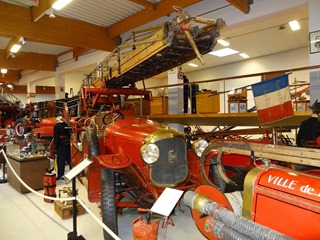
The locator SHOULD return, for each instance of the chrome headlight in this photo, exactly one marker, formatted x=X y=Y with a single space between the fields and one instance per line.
x=199 y=146
x=150 y=153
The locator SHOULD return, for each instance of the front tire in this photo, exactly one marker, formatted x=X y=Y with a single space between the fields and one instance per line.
x=108 y=202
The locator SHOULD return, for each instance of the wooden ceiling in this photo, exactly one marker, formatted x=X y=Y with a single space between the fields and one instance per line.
x=18 y=20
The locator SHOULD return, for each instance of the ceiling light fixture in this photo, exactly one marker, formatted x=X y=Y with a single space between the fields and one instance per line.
x=59 y=4
x=4 y=70
x=244 y=55
x=16 y=46
x=11 y=86
x=224 y=52
x=294 y=25
x=51 y=14
x=193 y=65
x=224 y=42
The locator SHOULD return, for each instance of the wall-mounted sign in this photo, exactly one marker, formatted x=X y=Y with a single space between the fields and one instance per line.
x=314 y=38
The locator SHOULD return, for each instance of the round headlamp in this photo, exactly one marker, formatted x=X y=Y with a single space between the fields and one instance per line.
x=199 y=146
x=150 y=153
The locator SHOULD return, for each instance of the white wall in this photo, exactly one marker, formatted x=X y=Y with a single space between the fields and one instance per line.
x=282 y=61
x=74 y=80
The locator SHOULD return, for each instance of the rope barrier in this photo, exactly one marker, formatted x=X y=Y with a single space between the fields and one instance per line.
x=61 y=199
x=98 y=220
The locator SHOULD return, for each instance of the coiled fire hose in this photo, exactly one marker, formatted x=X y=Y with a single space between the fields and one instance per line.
x=228 y=225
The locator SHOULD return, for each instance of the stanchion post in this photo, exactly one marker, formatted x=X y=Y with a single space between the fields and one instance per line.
x=74 y=235
x=4 y=179
x=71 y=176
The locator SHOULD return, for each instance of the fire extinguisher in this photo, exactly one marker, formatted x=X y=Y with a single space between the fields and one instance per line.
x=49 y=182
x=145 y=229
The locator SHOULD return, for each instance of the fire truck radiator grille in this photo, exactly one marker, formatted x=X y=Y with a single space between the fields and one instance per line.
x=171 y=167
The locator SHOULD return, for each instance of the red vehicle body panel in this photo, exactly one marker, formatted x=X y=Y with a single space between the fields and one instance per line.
x=287 y=201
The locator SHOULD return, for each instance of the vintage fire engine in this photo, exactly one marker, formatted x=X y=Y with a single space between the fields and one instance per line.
x=135 y=158
x=276 y=202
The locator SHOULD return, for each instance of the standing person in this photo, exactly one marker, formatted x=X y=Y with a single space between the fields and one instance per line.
x=35 y=115
x=62 y=145
x=310 y=128
x=186 y=93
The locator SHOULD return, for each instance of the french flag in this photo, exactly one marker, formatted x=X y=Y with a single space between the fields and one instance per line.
x=273 y=100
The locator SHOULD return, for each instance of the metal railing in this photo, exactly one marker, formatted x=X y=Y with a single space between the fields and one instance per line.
x=8 y=98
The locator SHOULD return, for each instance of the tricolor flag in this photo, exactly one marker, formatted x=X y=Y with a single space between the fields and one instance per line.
x=273 y=99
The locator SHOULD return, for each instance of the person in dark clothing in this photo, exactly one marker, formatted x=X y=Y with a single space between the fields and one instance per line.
x=186 y=93
x=35 y=115
x=310 y=128
x=62 y=145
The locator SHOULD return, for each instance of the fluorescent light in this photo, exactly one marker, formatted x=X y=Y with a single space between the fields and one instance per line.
x=294 y=25
x=192 y=65
x=224 y=52
x=223 y=42
x=15 y=48
x=244 y=55
x=59 y=4
x=4 y=70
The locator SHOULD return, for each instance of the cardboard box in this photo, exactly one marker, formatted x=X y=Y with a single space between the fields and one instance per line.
x=65 y=210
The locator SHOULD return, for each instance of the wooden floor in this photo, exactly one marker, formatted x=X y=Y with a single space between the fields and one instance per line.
x=228 y=119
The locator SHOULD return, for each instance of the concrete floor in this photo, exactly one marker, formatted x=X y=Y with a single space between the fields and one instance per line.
x=28 y=216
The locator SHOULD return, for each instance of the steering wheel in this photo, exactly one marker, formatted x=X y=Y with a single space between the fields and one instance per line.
x=111 y=116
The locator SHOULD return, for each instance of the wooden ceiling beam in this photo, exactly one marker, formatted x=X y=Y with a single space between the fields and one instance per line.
x=164 y=8
x=32 y=61
x=13 y=41
x=242 y=5
x=41 y=10
x=145 y=4
x=10 y=77
x=16 y=20
x=77 y=52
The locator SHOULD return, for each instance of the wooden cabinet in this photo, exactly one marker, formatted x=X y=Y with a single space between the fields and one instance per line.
x=237 y=102
x=237 y=106
x=159 y=105
x=141 y=106
x=208 y=102
x=30 y=170
x=301 y=105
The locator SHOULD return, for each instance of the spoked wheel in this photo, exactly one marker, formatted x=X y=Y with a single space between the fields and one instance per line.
x=110 y=117
x=108 y=202
x=19 y=129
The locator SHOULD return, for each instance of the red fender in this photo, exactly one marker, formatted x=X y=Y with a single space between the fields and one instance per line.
x=113 y=161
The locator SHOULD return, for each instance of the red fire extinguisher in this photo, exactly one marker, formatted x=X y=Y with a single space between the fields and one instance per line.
x=49 y=182
x=145 y=229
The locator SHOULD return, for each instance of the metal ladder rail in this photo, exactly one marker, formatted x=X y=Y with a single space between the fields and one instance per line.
x=8 y=98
